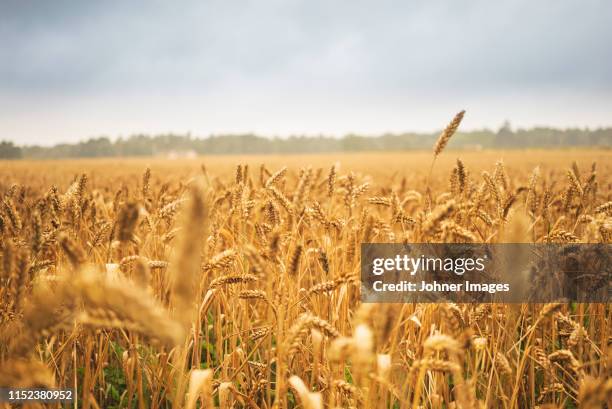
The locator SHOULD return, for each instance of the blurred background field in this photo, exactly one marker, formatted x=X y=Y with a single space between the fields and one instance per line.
x=380 y=165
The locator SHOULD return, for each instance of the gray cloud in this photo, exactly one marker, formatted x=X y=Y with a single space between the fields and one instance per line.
x=75 y=69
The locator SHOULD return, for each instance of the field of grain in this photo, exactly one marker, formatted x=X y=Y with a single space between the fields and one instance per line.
x=234 y=281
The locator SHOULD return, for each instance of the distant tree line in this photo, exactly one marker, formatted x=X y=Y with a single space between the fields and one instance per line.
x=8 y=150
x=147 y=145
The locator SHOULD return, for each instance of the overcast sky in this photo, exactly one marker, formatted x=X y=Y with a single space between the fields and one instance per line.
x=70 y=70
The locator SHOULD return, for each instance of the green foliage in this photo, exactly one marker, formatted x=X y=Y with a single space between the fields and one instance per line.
x=9 y=151
x=145 y=145
x=115 y=385
x=115 y=377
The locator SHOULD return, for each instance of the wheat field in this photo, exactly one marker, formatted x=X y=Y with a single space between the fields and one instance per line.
x=234 y=281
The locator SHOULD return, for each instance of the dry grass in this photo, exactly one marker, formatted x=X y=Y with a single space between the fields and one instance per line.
x=237 y=286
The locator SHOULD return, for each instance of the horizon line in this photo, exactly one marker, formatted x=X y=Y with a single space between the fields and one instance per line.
x=277 y=136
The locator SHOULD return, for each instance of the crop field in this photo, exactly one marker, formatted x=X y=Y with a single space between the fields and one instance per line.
x=230 y=281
